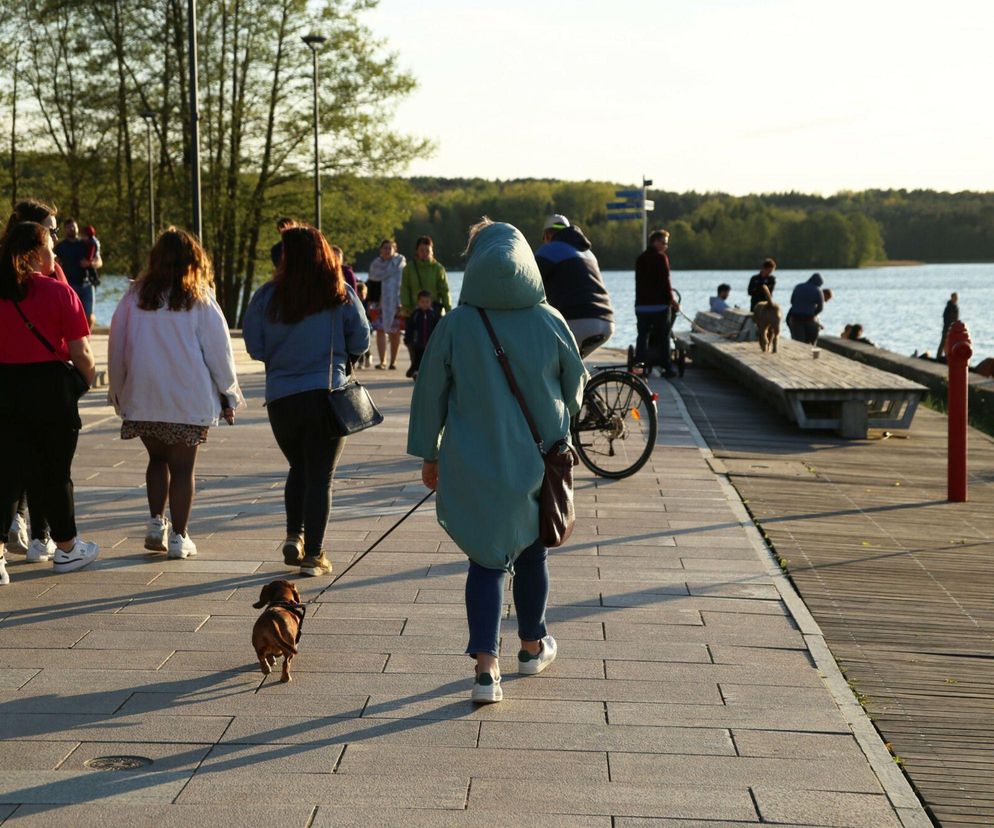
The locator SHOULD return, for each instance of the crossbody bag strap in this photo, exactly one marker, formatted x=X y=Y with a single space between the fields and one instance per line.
x=421 y=285
x=515 y=390
x=33 y=329
x=349 y=370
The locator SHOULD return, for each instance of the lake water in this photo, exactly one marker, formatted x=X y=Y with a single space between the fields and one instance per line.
x=900 y=308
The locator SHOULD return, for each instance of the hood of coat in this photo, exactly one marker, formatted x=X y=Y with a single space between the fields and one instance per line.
x=573 y=236
x=816 y=280
x=501 y=273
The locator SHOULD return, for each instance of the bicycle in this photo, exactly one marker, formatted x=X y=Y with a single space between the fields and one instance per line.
x=614 y=431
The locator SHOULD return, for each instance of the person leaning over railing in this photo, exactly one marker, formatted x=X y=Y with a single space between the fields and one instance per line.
x=44 y=326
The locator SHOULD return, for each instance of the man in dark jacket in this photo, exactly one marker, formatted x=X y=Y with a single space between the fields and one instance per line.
x=654 y=304
x=806 y=302
x=949 y=315
x=573 y=283
x=764 y=277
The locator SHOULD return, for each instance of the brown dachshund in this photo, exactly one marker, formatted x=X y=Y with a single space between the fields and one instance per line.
x=277 y=631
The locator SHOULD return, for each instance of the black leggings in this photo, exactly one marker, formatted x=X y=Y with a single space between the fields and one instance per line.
x=302 y=428
x=39 y=429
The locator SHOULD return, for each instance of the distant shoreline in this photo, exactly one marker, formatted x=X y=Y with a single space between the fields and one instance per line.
x=895 y=263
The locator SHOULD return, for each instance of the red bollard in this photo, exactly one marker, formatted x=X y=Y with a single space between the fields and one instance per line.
x=959 y=349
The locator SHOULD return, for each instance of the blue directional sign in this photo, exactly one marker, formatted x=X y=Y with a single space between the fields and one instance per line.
x=629 y=194
x=623 y=216
x=624 y=205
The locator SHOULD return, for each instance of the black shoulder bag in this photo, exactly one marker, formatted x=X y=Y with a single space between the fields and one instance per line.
x=350 y=406
x=75 y=384
x=556 y=513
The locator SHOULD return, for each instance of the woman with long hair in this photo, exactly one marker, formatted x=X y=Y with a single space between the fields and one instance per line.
x=44 y=327
x=172 y=374
x=477 y=447
x=306 y=325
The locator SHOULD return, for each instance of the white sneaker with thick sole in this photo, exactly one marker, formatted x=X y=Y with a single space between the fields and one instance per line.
x=180 y=546
x=17 y=537
x=486 y=689
x=82 y=553
x=41 y=550
x=532 y=665
x=4 y=577
x=156 y=534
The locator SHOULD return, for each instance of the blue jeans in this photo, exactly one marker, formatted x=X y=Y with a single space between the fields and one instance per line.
x=485 y=600
x=657 y=325
x=87 y=294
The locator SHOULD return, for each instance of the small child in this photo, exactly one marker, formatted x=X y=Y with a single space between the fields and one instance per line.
x=719 y=303
x=362 y=291
x=92 y=252
x=420 y=324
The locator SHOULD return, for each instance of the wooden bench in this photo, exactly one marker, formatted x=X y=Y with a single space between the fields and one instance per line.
x=830 y=392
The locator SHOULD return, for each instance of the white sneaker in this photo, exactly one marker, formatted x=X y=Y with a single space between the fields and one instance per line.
x=82 y=553
x=17 y=537
x=4 y=577
x=156 y=533
x=486 y=689
x=180 y=546
x=532 y=665
x=41 y=550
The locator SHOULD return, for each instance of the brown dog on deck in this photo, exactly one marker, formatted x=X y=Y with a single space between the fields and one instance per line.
x=767 y=317
x=277 y=630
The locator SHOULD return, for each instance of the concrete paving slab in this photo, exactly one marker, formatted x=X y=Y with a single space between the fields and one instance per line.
x=84 y=659
x=303 y=730
x=789 y=745
x=764 y=717
x=35 y=755
x=164 y=756
x=63 y=726
x=846 y=810
x=629 y=738
x=120 y=815
x=67 y=787
x=331 y=817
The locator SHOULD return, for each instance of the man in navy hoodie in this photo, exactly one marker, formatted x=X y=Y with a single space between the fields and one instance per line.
x=573 y=283
x=806 y=302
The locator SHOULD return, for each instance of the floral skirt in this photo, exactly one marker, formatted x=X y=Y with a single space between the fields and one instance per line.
x=169 y=433
x=376 y=322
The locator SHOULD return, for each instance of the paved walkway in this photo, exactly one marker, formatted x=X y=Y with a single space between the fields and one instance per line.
x=691 y=686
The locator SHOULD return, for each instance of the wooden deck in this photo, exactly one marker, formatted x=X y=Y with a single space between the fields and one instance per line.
x=827 y=392
x=901 y=582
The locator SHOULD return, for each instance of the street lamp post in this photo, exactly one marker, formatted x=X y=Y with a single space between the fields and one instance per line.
x=148 y=115
x=313 y=42
x=195 y=216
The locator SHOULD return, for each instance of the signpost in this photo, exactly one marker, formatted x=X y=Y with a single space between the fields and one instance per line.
x=632 y=205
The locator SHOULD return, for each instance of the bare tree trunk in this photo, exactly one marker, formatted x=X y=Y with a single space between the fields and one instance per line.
x=13 y=132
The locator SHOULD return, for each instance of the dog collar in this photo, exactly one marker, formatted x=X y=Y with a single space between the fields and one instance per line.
x=299 y=610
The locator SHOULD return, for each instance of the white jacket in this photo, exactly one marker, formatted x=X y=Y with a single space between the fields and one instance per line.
x=171 y=366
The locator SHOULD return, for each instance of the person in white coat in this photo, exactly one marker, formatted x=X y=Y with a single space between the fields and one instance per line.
x=172 y=374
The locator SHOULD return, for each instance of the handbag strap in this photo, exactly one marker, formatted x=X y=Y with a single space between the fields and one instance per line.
x=509 y=375
x=33 y=329
x=349 y=370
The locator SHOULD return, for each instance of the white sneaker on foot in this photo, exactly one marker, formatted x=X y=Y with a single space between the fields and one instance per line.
x=41 y=550
x=486 y=689
x=82 y=553
x=532 y=665
x=156 y=534
x=180 y=546
x=17 y=537
x=4 y=577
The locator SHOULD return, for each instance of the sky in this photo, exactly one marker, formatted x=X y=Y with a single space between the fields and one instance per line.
x=739 y=96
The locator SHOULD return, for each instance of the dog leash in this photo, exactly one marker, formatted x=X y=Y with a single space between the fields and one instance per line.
x=378 y=541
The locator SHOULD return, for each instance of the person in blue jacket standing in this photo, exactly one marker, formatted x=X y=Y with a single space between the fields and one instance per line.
x=478 y=452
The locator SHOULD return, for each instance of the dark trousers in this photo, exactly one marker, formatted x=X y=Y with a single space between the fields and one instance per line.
x=303 y=430
x=654 y=326
x=417 y=354
x=39 y=431
x=804 y=330
x=485 y=599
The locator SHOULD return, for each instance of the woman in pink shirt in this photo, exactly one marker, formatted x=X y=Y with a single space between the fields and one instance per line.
x=44 y=328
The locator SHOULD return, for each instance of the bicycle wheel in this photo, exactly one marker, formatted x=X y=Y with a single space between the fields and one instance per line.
x=615 y=430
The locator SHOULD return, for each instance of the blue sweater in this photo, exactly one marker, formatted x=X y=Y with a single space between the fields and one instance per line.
x=298 y=357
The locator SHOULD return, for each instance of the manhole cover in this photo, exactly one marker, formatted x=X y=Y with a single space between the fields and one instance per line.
x=114 y=763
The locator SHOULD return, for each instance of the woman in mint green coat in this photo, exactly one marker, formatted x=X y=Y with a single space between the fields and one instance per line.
x=478 y=452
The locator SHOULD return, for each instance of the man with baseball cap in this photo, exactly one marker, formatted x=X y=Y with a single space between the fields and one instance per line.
x=573 y=283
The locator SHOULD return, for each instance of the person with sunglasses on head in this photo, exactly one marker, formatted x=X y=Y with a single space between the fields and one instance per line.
x=44 y=329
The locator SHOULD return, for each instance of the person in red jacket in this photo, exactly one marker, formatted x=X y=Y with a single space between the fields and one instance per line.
x=654 y=304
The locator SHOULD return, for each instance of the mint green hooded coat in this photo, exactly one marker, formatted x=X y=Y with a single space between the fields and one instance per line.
x=464 y=415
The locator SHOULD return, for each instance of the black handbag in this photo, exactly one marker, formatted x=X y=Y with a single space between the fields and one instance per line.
x=351 y=408
x=75 y=385
x=556 y=513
